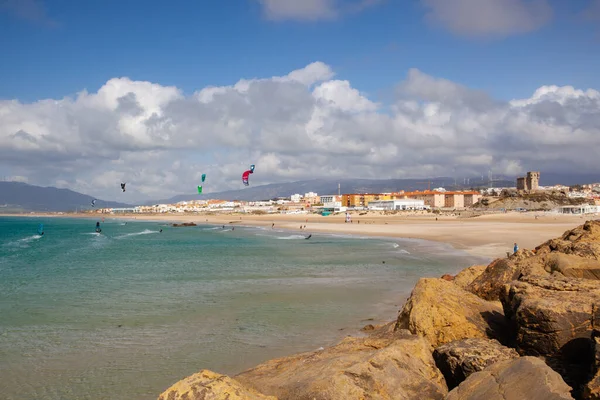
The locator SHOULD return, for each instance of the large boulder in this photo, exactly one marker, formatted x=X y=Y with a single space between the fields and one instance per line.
x=356 y=368
x=554 y=317
x=572 y=265
x=501 y=271
x=521 y=378
x=208 y=385
x=546 y=313
x=459 y=359
x=442 y=312
x=465 y=277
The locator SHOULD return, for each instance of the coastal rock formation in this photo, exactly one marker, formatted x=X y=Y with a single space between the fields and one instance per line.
x=554 y=317
x=459 y=359
x=575 y=254
x=356 y=368
x=502 y=271
x=465 y=277
x=442 y=312
x=184 y=224
x=546 y=313
x=591 y=391
x=522 y=378
x=208 y=385
x=583 y=241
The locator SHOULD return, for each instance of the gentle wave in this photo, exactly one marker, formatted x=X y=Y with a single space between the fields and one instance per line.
x=291 y=237
x=144 y=232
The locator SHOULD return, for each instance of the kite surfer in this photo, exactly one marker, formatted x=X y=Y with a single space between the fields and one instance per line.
x=98 y=230
x=308 y=237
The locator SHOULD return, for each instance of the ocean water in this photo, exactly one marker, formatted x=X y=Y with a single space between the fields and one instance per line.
x=126 y=313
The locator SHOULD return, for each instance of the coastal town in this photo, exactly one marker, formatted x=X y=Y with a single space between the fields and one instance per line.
x=578 y=199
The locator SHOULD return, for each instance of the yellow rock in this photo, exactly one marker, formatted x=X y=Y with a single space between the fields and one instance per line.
x=208 y=385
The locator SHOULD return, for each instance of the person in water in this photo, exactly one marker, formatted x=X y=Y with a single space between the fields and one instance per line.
x=98 y=227
x=160 y=231
x=308 y=237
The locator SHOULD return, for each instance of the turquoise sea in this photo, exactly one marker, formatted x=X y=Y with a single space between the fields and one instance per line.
x=127 y=313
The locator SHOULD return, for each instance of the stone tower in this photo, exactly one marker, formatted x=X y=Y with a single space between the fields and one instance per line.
x=532 y=182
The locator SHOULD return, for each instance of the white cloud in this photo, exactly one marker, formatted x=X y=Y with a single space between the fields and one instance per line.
x=312 y=10
x=301 y=10
x=302 y=125
x=489 y=18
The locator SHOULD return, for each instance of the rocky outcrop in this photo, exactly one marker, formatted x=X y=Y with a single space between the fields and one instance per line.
x=522 y=378
x=465 y=277
x=501 y=271
x=554 y=317
x=442 y=312
x=547 y=313
x=575 y=254
x=583 y=241
x=573 y=266
x=208 y=385
x=457 y=360
x=357 y=368
x=184 y=224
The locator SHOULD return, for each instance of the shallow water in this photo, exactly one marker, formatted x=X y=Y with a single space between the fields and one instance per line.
x=126 y=313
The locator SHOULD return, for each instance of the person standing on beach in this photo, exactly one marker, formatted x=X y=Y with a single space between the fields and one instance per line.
x=516 y=248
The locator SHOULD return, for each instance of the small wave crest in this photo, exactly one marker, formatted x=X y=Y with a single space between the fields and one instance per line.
x=291 y=237
x=144 y=232
x=401 y=251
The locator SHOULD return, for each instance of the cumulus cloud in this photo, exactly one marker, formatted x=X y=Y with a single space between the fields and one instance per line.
x=488 y=18
x=306 y=124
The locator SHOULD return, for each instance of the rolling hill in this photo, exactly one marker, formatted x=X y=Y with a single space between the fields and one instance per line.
x=21 y=197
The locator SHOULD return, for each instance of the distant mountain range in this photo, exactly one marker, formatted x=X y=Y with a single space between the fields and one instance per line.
x=20 y=197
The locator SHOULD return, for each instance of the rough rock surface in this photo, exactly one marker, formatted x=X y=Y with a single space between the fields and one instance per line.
x=442 y=312
x=522 y=378
x=546 y=313
x=457 y=360
x=571 y=265
x=465 y=277
x=208 y=385
x=554 y=317
x=583 y=241
x=501 y=271
x=575 y=254
x=356 y=368
x=591 y=391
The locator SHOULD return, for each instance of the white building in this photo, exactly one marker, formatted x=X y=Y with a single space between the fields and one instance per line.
x=331 y=201
x=295 y=198
x=401 y=204
x=310 y=194
x=581 y=209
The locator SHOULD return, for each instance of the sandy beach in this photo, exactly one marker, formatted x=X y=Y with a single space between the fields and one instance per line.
x=489 y=235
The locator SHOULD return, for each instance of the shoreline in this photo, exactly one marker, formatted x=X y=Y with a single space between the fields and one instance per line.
x=490 y=236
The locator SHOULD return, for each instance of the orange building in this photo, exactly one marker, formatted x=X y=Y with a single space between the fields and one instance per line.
x=363 y=199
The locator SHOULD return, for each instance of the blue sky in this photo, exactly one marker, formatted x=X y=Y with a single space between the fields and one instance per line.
x=56 y=48
x=155 y=93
